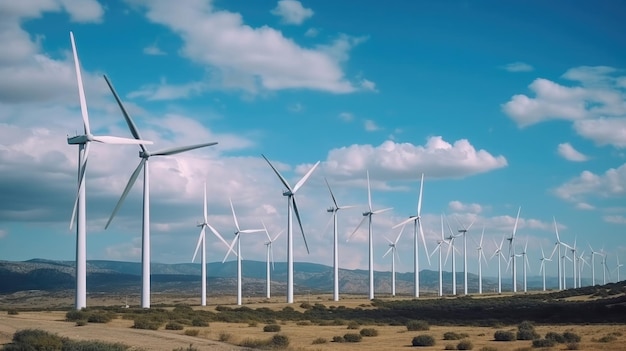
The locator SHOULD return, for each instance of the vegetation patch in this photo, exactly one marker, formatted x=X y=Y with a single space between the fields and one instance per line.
x=465 y=345
x=526 y=331
x=174 y=326
x=352 y=337
x=35 y=339
x=319 y=341
x=338 y=338
x=192 y=332
x=368 y=332
x=454 y=336
x=543 y=343
x=271 y=328
x=423 y=340
x=417 y=325
x=504 y=335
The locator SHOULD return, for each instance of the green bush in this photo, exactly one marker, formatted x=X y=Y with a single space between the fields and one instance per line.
x=271 y=328
x=100 y=317
x=369 y=332
x=556 y=337
x=319 y=341
x=147 y=323
x=304 y=323
x=306 y=305
x=338 y=338
x=526 y=331
x=454 y=336
x=571 y=337
x=174 y=326
x=465 y=345
x=504 y=335
x=423 y=340
x=81 y=322
x=279 y=341
x=352 y=337
x=199 y=322
x=417 y=325
x=12 y=312
x=543 y=343
x=36 y=339
x=354 y=325
x=71 y=345
x=192 y=332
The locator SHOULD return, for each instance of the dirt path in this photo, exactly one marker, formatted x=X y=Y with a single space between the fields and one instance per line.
x=116 y=331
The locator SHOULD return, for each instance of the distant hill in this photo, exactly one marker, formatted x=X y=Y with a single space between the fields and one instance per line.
x=119 y=276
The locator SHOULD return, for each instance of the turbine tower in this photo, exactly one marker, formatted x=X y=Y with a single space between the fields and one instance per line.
x=269 y=257
x=290 y=193
x=542 y=268
x=525 y=264
x=617 y=268
x=202 y=243
x=417 y=222
x=498 y=252
x=463 y=232
x=481 y=254
x=79 y=212
x=605 y=268
x=574 y=263
x=512 y=256
x=334 y=209
x=558 y=245
x=451 y=247
x=438 y=248
x=368 y=215
x=145 y=155
x=593 y=264
x=237 y=240
x=394 y=253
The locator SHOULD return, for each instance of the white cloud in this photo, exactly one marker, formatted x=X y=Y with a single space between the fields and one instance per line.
x=311 y=32
x=518 y=67
x=346 y=116
x=370 y=125
x=165 y=91
x=610 y=184
x=292 y=12
x=603 y=131
x=153 y=50
x=83 y=10
x=585 y=206
x=3 y=233
x=243 y=57
x=567 y=151
x=297 y=107
x=617 y=219
x=368 y=85
x=437 y=159
x=458 y=206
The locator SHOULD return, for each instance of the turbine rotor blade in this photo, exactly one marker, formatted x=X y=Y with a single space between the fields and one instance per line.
x=81 y=182
x=81 y=90
x=234 y=215
x=419 y=222
x=388 y=251
x=129 y=121
x=204 y=206
x=282 y=179
x=399 y=235
x=219 y=236
x=369 y=192
x=179 y=149
x=419 y=201
x=230 y=247
x=516 y=220
x=129 y=185
x=108 y=139
x=200 y=238
x=404 y=222
x=383 y=210
x=306 y=176
x=357 y=228
x=295 y=210
x=331 y=193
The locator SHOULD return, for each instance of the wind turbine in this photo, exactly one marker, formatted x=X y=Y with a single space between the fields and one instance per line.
x=463 y=232
x=605 y=268
x=79 y=212
x=560 y=258
x=542 y=268
x=593 y=264
x=581 y=265
x=394 y=253
x=481 y=253
x=617 y=267
x=451 y=247
x=417 y=222
x=500 y=255
x=145 y=155
x=269 y=257
x=369 y=215
x=334 y=211
x=525 y=263
x=574 y=263
x=438 y=248
x=202 y=243
x=290 y=193
x=237 y=240
x=512 y=251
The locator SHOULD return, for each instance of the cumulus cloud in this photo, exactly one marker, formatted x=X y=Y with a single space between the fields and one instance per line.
x=585 y=206
x=518 y=67
x=588 y=184
x=153 y=50
x=567 y=151
x=368 y=85
x=238 y=56
x=166 y=91
x=292 y=12
x=458 y=206
x=617 y=219
x=437 y=159
x=595 y=104
x=370 y=125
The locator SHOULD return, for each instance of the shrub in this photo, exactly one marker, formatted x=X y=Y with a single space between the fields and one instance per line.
x=571 y=337
x=199 y=322
x=279 y=341
x=71 y=345
x=526 y=331
x=465 y=345
x=174 y=326
x=352 y=337
x=338 y=338
x=100 y=317
x=417 y=325
x=607 y=338
x=454 y=336
x=253 y=343
x=354 y=325
x=319 y=341
x=271 y=328
x=81 y=322
x=192 y=332
x=369 y=332
x=503 y=335
x=146 y=323
x=543 y=343
x=423 y=340
x=556 y=337
x=305 y=305
x=225 y=337
x=36 y=339
x=12 y=312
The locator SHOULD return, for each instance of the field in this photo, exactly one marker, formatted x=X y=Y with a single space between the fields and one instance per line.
x=304 y=334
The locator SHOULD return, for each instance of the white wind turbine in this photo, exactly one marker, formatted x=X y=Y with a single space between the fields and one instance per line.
x=463 y=232
x=525 y=264
x=581 y=265
x=617 y=267
x=451 y=247
x=512 y=251
x=417 y=222
x=334 y=209
x=481 y=253
x=368 y=215
x=290 y=193
x=79 y=213
x=605 y=268
x=394 y=253
x=145 y=155
x=202 y=244
x=574 y=263
x=438 y=248
x=498 y=252
x=237 y=240
x=593 y=264
x=542 y=268
x=269 y=257
x=560 y=258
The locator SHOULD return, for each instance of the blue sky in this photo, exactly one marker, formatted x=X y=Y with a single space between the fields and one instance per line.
x=499 y=104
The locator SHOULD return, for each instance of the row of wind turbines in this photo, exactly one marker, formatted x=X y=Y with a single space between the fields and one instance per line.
x=79 y=216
